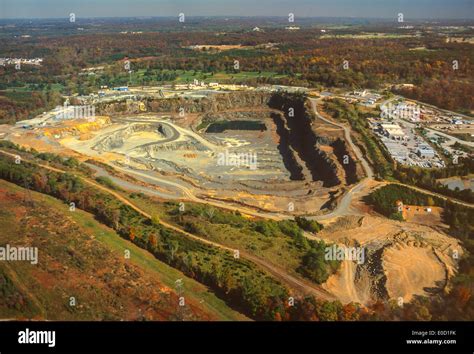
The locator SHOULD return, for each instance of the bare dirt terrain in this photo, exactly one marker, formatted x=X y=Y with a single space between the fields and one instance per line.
x=405 y=276
x=401 y=259
x=242 y=155
x=421 y=215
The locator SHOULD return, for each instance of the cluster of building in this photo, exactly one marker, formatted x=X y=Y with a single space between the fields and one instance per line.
x=426 y=114
x=364 y=97
x=21 y=61
x=393 y=131
x=199 y=85
x=196 y=89
x=59 y=113
x=432 y=119
x=402 y=110
x=404 y=145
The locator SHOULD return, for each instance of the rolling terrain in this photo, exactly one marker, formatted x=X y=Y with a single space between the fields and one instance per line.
x=81 y=258
x=225 y=160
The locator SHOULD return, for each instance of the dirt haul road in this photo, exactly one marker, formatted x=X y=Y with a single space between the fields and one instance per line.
x=346 y=200
x=347 y=135
x=342 y=208
x=293 y=282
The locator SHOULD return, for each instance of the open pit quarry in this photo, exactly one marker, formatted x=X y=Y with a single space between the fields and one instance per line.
x=262 y=150
x=267 y=154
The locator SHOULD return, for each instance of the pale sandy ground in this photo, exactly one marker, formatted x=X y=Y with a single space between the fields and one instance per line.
x=415 y=258
x=411 y=271
x=204 y=162
x=343 y=286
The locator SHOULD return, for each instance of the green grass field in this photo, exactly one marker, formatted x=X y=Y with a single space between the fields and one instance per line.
x=183 y=76
x=33 y=87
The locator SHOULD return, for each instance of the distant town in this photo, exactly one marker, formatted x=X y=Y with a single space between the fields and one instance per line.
x=22 y=61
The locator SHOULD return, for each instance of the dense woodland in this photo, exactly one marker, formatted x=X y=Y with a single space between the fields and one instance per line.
x=304 y=57
x=451 y=95
x=312 y=266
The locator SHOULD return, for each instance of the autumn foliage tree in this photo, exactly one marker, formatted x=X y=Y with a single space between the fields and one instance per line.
x=131 y=234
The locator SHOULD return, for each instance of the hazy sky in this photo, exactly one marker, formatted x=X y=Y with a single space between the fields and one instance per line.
x=305 y=8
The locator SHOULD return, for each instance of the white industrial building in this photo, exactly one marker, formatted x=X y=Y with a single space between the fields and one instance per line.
x=425 y=151
x=408 y=110
x=393 y=131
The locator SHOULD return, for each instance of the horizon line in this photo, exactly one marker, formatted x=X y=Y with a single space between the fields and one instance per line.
x=244 y=16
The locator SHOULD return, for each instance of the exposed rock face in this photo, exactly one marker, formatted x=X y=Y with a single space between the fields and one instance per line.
x=345 y=160
x=306 y=155
x=212 y=104
x=303 y=140
x=401 y=260
x=116 y=140
x=249 y=114
x=290 y=157
x=191 y=145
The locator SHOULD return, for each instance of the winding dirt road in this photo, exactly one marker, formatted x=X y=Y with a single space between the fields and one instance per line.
x=347 y=135
x=293 y=282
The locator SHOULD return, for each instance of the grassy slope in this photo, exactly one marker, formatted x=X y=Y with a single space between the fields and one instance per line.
x=279 y=249
x=106 y=285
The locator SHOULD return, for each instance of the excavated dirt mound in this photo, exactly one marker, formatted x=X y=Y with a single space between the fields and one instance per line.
x=402 y=259
x=405 y=275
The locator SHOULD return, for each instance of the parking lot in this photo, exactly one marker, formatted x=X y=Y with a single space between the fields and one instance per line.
x=405 y=144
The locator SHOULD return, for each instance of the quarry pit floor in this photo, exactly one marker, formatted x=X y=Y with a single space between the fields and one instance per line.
x=239 y=167
x=168 y=160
